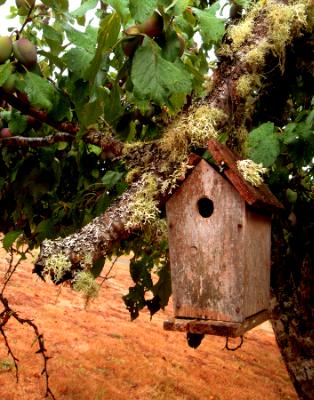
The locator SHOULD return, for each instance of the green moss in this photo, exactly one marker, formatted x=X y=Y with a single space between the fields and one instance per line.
x=133 y=174
x=172 y=181
x=192 y=130
x=256 y=56
x=285 y=23
x=247 y=83
x=240 y=33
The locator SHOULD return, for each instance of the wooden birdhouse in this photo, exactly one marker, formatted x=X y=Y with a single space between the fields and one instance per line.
x=219 y=242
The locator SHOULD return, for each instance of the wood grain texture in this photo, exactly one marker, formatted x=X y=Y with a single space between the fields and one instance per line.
x=219 y=264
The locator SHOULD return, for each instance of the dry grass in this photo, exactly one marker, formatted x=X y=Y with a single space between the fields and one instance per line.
x=99 y=354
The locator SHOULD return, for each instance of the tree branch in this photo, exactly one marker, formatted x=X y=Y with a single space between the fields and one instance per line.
x=25 y=108
x=21 y=141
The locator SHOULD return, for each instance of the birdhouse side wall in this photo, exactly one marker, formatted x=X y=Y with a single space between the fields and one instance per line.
x=207 y=254
x=257 y=244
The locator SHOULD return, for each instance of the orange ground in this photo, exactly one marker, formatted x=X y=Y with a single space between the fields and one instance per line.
x=98 y=353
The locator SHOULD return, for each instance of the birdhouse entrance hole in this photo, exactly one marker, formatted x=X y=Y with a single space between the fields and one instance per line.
x=205 y=207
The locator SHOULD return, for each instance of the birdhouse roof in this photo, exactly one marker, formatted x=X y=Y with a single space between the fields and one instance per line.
x=226 y=161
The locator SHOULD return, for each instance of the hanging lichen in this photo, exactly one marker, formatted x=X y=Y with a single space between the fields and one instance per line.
x=172 y=181
x=143 y=209
x=251 y=171
x=56 y=266
x=85 y=283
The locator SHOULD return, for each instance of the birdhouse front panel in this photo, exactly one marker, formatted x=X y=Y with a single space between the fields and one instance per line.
x=206 y=220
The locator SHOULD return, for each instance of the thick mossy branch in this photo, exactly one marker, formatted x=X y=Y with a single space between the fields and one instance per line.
x=253 y=55
x=63 y=258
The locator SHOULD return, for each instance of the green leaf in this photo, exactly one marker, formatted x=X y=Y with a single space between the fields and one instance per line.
x=121 y=7
x=18 y=123
x=53 y=38
x=77 y=60
x=90 y=112
x=40 y=92
x=175 y=7
x=172 y=47
x=45 y=229
x=162 y=288
x=155 y=78
x=113 y=108
x=60 y=5
x=85 y=40
x=10 y=238
x=292 y=196
x=243 y=3
x=263 y=144
x=82 y=10
x=5 y=72
x=111 y=178
x=94 y=149
x=97 y=267
x=140 y=10
x=52 y=34
x=62 y=108
x=54 y=59
x=290 y=136
x=107 y=37
x=212 y=28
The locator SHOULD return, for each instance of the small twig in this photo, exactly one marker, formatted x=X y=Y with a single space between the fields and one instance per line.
x=21 y=141
x=106 y=277
x=27 y=19
x=233 y=348
x=12 y=268
x=58 y=294
x=9 y=313
x=10 y=352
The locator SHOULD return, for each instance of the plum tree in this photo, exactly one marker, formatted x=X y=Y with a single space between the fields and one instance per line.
x=123 y=108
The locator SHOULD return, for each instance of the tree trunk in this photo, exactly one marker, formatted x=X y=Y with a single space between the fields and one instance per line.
x=292 y=289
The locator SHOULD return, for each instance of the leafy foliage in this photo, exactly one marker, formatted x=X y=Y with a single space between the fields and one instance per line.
x=264 y=144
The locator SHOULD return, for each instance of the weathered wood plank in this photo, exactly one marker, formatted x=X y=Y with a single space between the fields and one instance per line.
x=219 y=328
